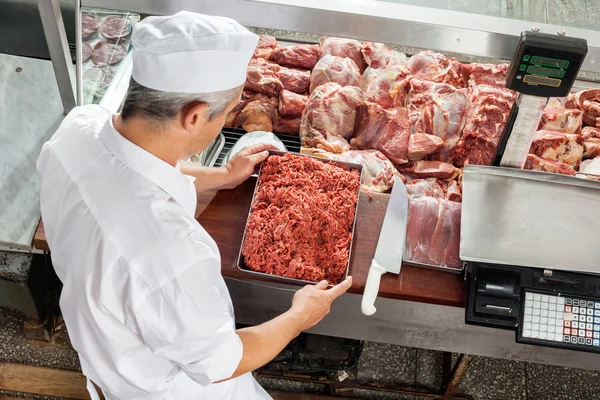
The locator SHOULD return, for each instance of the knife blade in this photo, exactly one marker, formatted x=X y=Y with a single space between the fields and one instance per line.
x=390 y=246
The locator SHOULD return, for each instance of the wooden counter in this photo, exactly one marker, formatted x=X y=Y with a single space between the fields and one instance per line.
x=223 y=214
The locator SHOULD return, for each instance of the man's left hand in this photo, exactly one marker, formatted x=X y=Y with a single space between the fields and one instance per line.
x=241 y=165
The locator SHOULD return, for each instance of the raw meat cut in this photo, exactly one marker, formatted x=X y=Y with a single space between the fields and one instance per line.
x=378 y=55
x=328 y=119
x=487 y=74
x=261 y=77
x=295 y=80
x=299 y=56
x=430 y=169
x=454 y=192
x=486 y=119
x=435 y=67
x=247 y=95
x=589 y=102
x=591 y=143
x=266 y=46
x=385 y=86
x=536 y=163
x=287 y=125
x=341 y=47
x=291 y=104
x=86 y=51
x=378 y=170
x=342 y=71
x=433 y=232
x=556 y=146
x=301 y=219
x=116 y=27
x=561 y=119
x=421 y=145
x=438 y=109
x=89 y=25
x=108 y=53
x=432 y=187
x=259 y=114
x=96 y=79
x=385 y=130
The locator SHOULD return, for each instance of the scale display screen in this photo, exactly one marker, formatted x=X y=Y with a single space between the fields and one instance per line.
x=551 y=62
x=544 y=71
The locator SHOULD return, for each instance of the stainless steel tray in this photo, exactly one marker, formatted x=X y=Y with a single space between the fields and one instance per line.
x=241 y=262
x=209 y=156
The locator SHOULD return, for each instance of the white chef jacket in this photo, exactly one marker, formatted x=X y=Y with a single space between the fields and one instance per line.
x=143 y=299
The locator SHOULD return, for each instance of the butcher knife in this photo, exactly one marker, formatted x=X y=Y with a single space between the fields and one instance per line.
x=390 y=247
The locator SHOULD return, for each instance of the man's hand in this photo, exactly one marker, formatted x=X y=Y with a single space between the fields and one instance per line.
x=312 y=303
x=241 y=165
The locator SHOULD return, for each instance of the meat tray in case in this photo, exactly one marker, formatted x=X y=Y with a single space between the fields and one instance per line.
x=241 y=263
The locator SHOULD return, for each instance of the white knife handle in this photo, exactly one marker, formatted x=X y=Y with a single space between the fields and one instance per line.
x=372 y=288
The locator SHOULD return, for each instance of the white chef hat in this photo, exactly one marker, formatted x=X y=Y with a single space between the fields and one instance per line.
x=191 y=53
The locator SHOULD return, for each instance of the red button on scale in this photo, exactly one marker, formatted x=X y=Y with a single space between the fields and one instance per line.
x=568 y=324
x=574 y=332
x=588 y=334
x=568 y=308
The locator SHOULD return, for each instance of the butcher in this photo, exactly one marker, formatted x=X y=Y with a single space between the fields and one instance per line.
x=143 y=299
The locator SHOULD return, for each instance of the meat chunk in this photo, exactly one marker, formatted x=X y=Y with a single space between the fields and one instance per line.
x=301 y=219
x=328 y=119
x=438 y=109
x=487 y=74
x=430 y=169
x=266 y=46
x=300 y=56
x=259 y=114
x=435 y=67
x=587 y=101
x=341 y=47
x=378 y=55
x=294 y=80
x=386 y=86
x=433 y=232
x=291 y=104
x=421 y=145
x=378 y=170
x=432 y=187
x=536 y=163
x=287 y=125
x=261 y=77
x=454 y=192
x=385 y=130
x=591 y=144
x=556 y=146
x=475 y=149
x=342 y=71
x=561 y=119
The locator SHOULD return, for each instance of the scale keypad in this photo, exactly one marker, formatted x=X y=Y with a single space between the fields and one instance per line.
x=557 y=318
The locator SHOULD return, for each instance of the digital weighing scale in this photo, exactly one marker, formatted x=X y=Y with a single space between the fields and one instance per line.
x=531 y=254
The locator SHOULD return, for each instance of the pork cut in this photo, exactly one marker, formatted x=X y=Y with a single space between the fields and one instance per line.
x=430 y=169
x=378 y=170
x=438 y=109
x=342 y=71
x=341 y=47
x=301 y=219
x=486 y=74
x=587 y=101
x=294 y=80
x=89 y=25
x=385 y=130
x=291 y=104
x=435 y=67
x=556 y=146
x=266 y=46
x=328 y=119
x=536 y=163
x=591 y=144
x=107 y=53
x=287 y=125
x=258 y=114
x=421 y=145
x=386 y=86
x=261 y=77
x=432 y=187
x=116 y=27
x=300 y=56
x=378 y=55
x=433 y=232
x=454 y=192
x=561 y=119
x=86 y=51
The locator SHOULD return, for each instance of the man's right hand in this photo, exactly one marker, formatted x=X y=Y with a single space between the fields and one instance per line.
x=312 y=303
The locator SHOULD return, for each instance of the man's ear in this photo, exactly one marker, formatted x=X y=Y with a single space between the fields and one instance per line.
x=193 y=115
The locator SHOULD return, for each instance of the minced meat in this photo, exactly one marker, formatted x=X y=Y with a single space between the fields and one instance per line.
x=301 y=220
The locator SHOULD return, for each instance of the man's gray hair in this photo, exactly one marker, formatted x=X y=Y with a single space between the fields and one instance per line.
x=160 y=107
